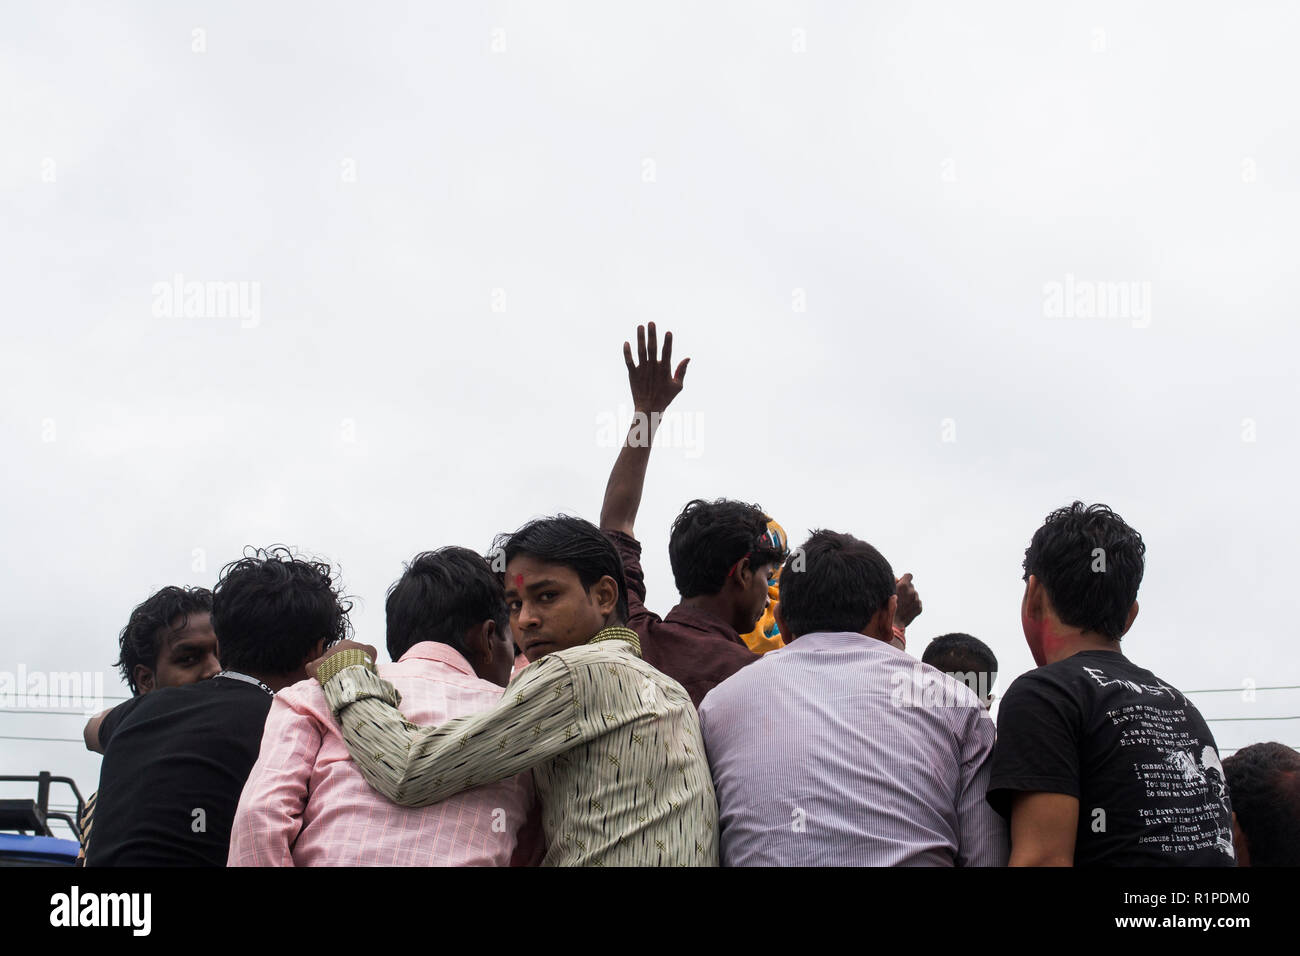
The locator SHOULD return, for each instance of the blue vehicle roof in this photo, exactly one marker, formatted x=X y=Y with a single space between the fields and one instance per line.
x=38 y=850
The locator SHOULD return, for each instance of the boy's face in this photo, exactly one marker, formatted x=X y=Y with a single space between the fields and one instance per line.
x=186 y=655
x=550 y=610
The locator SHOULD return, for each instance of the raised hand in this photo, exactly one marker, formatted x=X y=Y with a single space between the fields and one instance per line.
x=654 y=384
x=909 y=602
x=313 y=666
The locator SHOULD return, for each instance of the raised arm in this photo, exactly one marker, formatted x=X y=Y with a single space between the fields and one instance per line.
x=654 y=386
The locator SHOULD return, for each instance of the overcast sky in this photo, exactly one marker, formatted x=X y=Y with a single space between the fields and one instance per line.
x=860 y=221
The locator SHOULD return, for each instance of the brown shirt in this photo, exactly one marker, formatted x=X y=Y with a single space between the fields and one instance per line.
x=691 y=646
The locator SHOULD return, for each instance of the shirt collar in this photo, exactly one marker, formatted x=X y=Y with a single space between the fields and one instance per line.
x=698 y=620
x=619 y=634
x=849 y=639
x=439 y=653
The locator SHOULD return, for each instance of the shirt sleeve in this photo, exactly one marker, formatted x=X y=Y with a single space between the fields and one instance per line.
x=982 y=836
x=629 y=549
x=1038 y=742
x=269 y=816
x=113 y=720
x=537 y=719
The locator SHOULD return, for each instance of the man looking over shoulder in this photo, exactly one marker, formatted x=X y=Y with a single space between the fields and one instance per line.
x=1099 y=761
x=177 y=758
x=168 y=641
x=614 y=745
x=722 y=552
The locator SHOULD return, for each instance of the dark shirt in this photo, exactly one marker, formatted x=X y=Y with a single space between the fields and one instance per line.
x=175 y=761
x=691 y=646
x=1134 y=751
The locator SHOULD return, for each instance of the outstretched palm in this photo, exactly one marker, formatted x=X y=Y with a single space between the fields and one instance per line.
x=654 y=384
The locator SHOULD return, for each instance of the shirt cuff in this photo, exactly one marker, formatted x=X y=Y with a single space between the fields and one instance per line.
x=357 y=682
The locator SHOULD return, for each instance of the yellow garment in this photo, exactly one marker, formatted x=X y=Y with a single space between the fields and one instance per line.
x=766 y=636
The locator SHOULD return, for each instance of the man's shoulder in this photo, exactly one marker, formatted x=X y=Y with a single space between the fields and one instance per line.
x=617 y=653
x=1087 y=675
x=418 y=680
x=306 y=696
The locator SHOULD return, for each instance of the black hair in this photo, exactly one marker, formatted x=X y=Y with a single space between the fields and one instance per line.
x=709 y=537
x=141 y=639
x=959 y=653
x=570 y=542
x=1091 y=564
x=271 y=607
x=834 y=582
x=440 y=595
x=1264 y=787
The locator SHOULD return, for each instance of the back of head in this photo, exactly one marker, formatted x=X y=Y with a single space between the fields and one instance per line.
x=966 y=658
x=440 y=596
x=709 y=538
x=1090 y=563
x=1264 y=786
x=834 y=582
x=271 y=608
x=141 y=639
x=570 y=542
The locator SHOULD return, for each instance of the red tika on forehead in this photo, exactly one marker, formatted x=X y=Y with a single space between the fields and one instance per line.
x=519 y=581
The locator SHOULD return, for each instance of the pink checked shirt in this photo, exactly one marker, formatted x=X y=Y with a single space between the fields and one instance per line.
x=306 y=803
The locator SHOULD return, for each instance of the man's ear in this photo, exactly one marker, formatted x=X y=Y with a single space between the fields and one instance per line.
x=144 y=678
x=1035 y=599
x=604 y=593
x=317 y=650
x=780 y=623
x=745 y=572
x=478 y=641
x=1132 y=616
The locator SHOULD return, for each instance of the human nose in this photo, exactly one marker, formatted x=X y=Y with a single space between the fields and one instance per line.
x=528 y=616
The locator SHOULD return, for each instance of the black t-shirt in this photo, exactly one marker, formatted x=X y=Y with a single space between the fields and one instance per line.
x=1134 y=750
x=175 y=761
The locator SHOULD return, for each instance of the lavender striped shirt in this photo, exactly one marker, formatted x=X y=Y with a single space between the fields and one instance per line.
x=840 y=750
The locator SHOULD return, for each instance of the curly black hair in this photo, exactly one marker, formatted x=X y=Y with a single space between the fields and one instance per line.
x=834 y=582
x=141 y=639
x=708 y=538
x=1264 y=786
x=271 y=607
x=1091 y=564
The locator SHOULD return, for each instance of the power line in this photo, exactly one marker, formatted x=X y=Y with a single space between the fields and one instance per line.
x=1211 y=720
x=1225 y=690
x=66 y=740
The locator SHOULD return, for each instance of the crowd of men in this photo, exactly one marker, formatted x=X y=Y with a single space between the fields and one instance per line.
x=535 y=711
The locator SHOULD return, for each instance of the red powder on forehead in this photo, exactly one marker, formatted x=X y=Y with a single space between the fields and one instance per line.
x=519 y=581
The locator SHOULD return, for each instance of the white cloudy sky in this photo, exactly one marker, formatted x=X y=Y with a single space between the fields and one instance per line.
x=913 y=176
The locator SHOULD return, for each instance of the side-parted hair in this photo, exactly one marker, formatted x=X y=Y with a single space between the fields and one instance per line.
x=142 y=638
x=835 y=582
x=959 y=653
x=1264 y=786
x=572 y=543
x=709 y=538
x=271 y=607
x=440 y=595
x=1091 y=564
